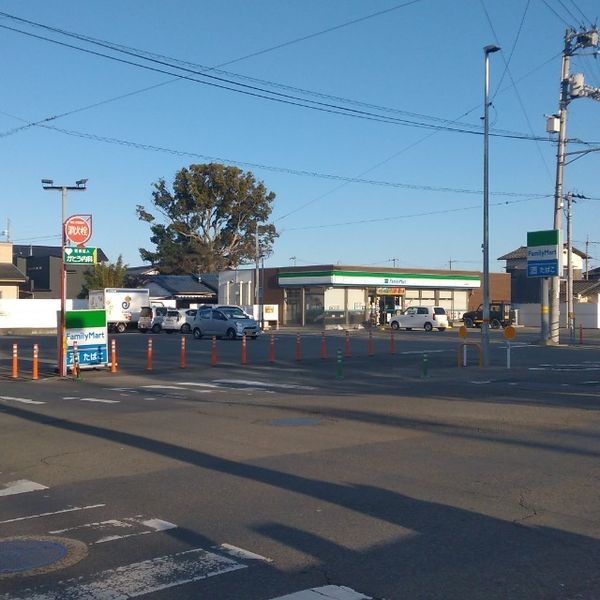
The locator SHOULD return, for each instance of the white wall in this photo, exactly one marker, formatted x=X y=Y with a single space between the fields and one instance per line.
x=587 y=315
x=34 y=313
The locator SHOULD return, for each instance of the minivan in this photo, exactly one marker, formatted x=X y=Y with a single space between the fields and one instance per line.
x=421 y=317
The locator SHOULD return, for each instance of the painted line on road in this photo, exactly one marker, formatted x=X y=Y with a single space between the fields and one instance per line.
x=102 y=400
x=331 y=592
x=22 y=400
x=161 y=387
x=424 y=351
x=21 y=486
x=204 y=385
x=101 y=532
x=137 y=579
x=283 y=386
x=56 y=512
x=237 y=552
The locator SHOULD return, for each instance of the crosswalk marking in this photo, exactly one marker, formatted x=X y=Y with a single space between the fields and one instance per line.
x=326 y=592
x=283 y=386
x=56 y=512
x=21 y=486
x=101 y=400
x=241 y=553
x=137 y=579
x=101 y=532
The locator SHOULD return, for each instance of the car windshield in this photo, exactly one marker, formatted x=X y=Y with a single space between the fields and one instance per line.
x=235 y=313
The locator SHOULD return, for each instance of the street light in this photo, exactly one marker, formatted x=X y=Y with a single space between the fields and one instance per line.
x=80 y=186
x=485 y=326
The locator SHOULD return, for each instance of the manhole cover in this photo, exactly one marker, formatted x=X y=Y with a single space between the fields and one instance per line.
x=28 y=555
x=299 y=422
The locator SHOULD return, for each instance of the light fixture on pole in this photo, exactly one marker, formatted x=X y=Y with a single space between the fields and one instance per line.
x=485 y=326
x=80 y=186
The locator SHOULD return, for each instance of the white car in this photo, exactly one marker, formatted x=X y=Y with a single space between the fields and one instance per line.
x=421 y=317
x=174 y=320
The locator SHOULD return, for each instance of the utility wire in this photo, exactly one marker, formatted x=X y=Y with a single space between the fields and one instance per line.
x=568 y=11
x=585 y=19
x=556 y=14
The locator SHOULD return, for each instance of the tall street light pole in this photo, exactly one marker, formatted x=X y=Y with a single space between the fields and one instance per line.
x=80 y=186
x=485 y=326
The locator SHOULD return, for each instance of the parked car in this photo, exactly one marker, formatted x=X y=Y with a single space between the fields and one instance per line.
x=151 y=318
x=190 y=315
x=421 y=317
x=174 y=321
x=227 y=322
x=501 y=315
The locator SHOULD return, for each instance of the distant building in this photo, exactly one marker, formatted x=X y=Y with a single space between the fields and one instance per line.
x=10 y=276
x=42 y=266
x=184 y=289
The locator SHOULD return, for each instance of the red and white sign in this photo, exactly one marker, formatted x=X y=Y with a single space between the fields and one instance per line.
x=78 y=229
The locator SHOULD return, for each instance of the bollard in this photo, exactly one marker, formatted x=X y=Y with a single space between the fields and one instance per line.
x=213 y=352
x=339 y=369
x=581 y=334
x=15 y=361
x=371 y=352
x=149 y=355
x=34 y=368
x=323 y=347
x=113 y=356
x=347 y=351
x=244 y=350
x=182 y=353
x=507 y=354
x=425 y=366
x=271 y=348
x=75 y=367
x=298 y=348
x=392 y=343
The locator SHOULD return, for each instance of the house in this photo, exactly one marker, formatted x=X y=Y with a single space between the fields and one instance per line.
x=10 y=276
x=42 y=266
x=184 y=289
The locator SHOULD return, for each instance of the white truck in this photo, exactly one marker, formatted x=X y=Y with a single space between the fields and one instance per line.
x=122 y=305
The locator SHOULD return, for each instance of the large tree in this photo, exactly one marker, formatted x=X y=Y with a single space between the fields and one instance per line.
x=207 y=220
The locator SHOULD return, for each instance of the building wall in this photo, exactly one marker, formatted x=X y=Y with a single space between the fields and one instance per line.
x=6 y=252
x=9 y=292
x=500 y=290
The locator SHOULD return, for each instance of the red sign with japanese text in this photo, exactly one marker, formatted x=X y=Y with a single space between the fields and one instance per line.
x=78 y=229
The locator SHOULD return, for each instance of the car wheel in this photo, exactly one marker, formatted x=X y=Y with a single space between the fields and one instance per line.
x=468 y=322
x=230 y=334
x=156 y=328
x=185 y=328
x=395 y=325
x=428 y=326
x=495 y=324
x=197 y=333
x=441 y=329
x=120 y=327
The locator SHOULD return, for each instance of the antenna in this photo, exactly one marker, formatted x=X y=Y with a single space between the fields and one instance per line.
x=6 y=232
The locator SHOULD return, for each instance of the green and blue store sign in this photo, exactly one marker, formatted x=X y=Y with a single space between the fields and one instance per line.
x=372 y=279
x=88 y=328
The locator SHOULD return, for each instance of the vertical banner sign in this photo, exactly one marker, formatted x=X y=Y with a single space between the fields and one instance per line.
x=87 y=328
x=544 y=253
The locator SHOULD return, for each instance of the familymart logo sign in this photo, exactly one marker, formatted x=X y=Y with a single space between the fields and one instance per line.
x=543 y=253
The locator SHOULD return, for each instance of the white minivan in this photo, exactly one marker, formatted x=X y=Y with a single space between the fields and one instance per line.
x=421 y=317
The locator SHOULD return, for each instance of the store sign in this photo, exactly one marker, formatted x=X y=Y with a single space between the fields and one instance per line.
x=87 y=328
x=543 y=253
x=80 y=256
x=390 y=291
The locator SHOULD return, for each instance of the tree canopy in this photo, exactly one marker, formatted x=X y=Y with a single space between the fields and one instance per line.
x=100 y=276
x=207 y=220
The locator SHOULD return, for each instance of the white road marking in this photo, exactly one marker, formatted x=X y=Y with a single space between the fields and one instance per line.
x=161 y=387
x=21 y=486
x=115 y=529
x=331 y=592
x=56 y=512
x=481 y=382
x=241 y=553
x=21 y=400
x=283 y=386
x=137 y=579
x=99 y=400
x=206 y=385
x=421 y=351
x=70 y=397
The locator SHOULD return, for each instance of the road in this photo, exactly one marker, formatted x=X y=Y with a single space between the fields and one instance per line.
x=269 y=479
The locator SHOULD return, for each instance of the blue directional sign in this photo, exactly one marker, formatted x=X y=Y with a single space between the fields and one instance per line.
x=544 y=253
x=542 y=268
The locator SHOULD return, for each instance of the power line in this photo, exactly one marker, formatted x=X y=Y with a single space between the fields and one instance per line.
x=586 y=21
x=556 y=14
x=568 y=11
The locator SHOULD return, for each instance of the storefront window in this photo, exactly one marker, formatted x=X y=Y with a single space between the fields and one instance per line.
x=314 y=310
x=293 y=306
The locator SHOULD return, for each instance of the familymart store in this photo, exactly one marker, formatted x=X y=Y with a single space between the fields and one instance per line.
x=350 y=296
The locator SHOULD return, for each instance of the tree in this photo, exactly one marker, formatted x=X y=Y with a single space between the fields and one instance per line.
x=209 y=220
x=109 y=275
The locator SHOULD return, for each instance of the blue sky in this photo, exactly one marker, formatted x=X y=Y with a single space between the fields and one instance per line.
x=423 y=60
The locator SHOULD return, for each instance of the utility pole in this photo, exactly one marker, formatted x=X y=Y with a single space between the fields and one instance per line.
x=256 y=269
x=587 y=249
x=394 y=262
x=570 y=313
x=574 y=40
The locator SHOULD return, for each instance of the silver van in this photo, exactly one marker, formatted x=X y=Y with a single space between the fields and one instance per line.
x=229 y=322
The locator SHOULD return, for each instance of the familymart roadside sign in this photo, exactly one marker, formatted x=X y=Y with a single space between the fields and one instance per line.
x=543 y=253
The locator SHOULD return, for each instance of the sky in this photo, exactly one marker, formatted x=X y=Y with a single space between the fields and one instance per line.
x=374 y=148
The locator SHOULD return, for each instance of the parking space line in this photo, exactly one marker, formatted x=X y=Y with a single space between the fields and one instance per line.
x=21 y=486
